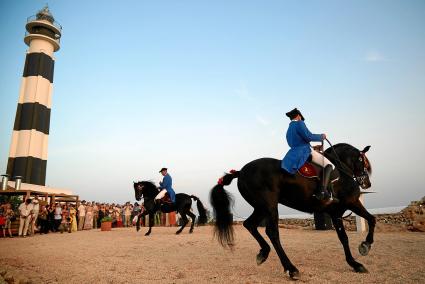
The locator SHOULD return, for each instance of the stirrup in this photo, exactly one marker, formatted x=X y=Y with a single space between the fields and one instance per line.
x=333 y=199
x=321 y=195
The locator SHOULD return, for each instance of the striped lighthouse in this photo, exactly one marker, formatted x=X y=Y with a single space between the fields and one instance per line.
x=28 y=149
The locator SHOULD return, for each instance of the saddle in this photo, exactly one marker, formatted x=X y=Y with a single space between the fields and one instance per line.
x=166 y=199
x=311 y=170
x=166 y=204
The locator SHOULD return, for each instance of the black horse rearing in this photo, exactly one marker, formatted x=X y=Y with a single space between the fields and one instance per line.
x=148 y=191
x=263 y=184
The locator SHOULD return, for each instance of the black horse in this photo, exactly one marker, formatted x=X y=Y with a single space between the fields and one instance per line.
x=263 y=184
x=148 y=191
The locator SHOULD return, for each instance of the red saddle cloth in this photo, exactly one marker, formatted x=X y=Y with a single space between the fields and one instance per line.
x=308 y=171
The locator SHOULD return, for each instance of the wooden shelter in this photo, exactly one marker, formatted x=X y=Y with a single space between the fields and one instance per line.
x=45 y=198
x=48 y=198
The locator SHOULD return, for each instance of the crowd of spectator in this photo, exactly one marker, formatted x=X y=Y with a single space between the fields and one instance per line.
x=36 y=216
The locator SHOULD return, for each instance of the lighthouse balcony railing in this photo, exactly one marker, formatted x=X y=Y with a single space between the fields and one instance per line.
x=54 y=23
x=57 y=38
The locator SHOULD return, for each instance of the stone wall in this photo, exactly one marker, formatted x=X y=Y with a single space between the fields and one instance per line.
x=412 y=218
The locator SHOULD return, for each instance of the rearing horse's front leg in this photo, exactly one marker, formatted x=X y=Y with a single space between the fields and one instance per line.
x=342 y=235
x=139 y=216
x=359 y=209
x=151 y=222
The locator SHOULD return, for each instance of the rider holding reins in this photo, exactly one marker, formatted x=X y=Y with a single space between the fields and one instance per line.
x=166 y=186
x=299 y=137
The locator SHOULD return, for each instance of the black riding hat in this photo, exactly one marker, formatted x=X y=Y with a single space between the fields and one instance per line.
x=293 y=113
x=163 y=169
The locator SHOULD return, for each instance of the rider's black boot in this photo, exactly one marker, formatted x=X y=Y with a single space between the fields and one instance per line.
x=322 y=192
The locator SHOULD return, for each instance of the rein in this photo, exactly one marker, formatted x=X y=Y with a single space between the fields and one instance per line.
x=342 y=166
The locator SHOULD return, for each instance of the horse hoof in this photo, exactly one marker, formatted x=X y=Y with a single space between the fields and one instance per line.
x=260 y=259
x=178 y=232
x=364 y=248
x=294 y=275
x=361 y=269
x=191 y=231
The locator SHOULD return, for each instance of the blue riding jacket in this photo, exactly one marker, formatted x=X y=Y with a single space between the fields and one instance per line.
x=298 y=137
x=166 y=184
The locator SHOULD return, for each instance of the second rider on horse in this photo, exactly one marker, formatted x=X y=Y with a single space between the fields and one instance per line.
x=299 y=137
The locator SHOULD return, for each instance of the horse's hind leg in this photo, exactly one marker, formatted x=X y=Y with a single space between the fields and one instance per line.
x=193 y=216
x=272 y=231
x=359 y=209
x=251 y=224
x=342 y=235
x=185 y=221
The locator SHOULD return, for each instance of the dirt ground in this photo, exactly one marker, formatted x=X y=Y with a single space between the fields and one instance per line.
x=126 y=256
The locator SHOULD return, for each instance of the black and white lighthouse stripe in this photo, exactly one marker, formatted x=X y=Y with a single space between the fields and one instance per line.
x=28 y=151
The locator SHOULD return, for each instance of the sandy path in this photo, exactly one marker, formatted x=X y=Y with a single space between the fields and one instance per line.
x=124 y=256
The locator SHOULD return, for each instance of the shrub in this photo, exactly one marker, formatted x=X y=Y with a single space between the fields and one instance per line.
x=106 y=219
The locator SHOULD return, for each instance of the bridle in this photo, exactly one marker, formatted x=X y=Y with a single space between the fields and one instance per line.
x=359 y=178
x=139 y=187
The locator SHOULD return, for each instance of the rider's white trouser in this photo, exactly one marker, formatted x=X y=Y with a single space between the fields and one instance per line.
x=319 y=159
x=161 y=194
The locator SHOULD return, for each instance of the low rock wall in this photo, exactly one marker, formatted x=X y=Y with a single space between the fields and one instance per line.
x=412 y=218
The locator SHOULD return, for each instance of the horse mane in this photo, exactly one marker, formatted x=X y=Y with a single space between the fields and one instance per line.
x=342 y=149
x=148 y=183
x=149 y=187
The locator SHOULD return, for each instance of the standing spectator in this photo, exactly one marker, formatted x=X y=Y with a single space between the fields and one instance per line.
x=64 y=225
x=157 y=218
x=134 y=214
x=110 y=210
x=102 y=213
x=3 y=219
x=43 y=220
x=123 y=214
x=88 y=221
x=24 y=217
x=65 y=211
x=73 y=218
x=117 y=216
x=81 y=215
x=58 y=216
x=35 y=211
x=8 y=215
x=51 y=217
x=95 y=214
x=127 y=213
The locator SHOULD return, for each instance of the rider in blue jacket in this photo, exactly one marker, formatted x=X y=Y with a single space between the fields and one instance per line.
x=299 y=137
x=166 y=186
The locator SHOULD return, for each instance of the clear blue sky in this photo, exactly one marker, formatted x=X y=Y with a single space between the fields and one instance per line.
x=201 y=87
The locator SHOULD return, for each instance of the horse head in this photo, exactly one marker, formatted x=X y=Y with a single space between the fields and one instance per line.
x=144 y=189
x=363 y=169
x=138 y=187
x=355 y=160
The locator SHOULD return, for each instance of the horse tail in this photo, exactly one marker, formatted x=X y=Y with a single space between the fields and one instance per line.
x=202 y=211
x=222 y=202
